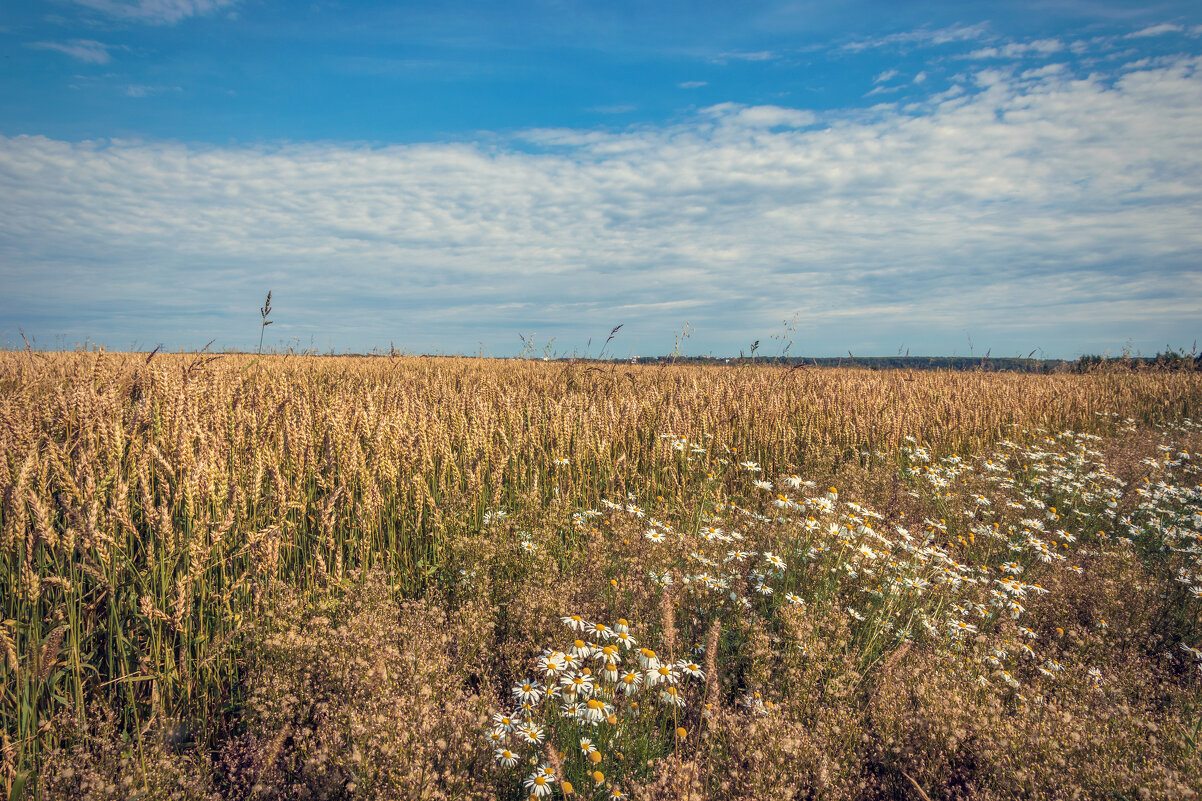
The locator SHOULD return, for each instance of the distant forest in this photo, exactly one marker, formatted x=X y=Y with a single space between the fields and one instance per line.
x=1168 y=360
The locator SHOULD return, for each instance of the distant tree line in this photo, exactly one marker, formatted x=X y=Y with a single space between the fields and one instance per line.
x=1171 y=360
x=962 y=363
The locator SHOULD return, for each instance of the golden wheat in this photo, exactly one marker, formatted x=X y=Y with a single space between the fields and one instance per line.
x=151 y=506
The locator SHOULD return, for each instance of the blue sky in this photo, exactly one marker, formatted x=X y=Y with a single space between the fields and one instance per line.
x=937 y=177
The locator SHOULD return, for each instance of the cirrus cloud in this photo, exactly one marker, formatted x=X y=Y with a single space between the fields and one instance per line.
x=156 y=12
x=921 y=36
x=1039 y=47
x=1155 y=30
x=86 y=50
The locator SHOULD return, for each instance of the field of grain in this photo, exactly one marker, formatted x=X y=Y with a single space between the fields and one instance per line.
x=302 y=577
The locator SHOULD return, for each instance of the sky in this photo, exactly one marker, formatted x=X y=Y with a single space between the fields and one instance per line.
x=499 y=179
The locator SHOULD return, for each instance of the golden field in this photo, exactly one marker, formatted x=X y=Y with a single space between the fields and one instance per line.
x=337 y=577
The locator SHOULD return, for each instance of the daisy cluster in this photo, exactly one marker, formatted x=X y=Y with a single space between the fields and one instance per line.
x=963 y=581
x=1055 y=506
x=1169 y=515
x=593 y=686
x=969 y=577
x=896 y=582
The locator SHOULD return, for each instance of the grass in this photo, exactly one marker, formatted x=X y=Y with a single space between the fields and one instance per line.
x=301 y=577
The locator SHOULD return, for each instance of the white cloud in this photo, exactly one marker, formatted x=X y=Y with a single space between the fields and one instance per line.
x=885 y=76
x=142 y=90
x=1039 y=47
x=883 y=90
x=922 y=36
x=157 y=12
x=920 y=77
x=1043 y=72
x=736 y=114
x=1039 y=210
x=1156 y=30
x=692 y=84
x=758 y=55
x=86 y=50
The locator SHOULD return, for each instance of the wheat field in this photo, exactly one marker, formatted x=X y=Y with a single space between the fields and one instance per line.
x=396 y=577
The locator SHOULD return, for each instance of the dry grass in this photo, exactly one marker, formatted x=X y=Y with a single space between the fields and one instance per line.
x=212 y=553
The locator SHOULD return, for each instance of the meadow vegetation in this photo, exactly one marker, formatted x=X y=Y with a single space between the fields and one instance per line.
x=284 y=577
